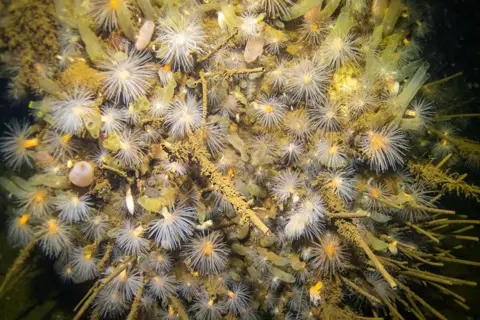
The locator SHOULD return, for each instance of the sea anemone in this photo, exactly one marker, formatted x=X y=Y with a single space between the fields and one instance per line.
x=104 y=13
x=338 y=49
x=95 y=227
x=297 y=124
x=131 y=147
x=111 y=303
x=55 y=237
x=341 y=182
x=329 y=255
x=207 y=254
x=176 y=226
x=307 y=80
x=275 y=7
x=238 y=298
x=160 y=261
x=84 y=265
x=113 y=119
x=327 y=116
x=126 y=283
x=36 y=200
x=19 y=229
x=126 y=75
x=250 y=27
x=178 y=37
x=129 y=239
x=206 y=308
x=278 y=77
x=384 y=147
x=60 y=146
x=269 y=110
x=285 y=184
x=291 y=151
x=184 y=117
x=16 y=146
x=69 y=114
x=331 y=153
x=215 y=137
x=159 y=107
x=162 y=286
x=72 y=207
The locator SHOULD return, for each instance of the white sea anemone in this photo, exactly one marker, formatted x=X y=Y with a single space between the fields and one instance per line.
x=291 y=151
x=384 y=147
x=205 y=308
x=275 y=7
x=16 y=146
x=159 y=107
x=160 y=261
x=176 y=226
x=184 y=117
x=19 y=229
x=71 y=111
x=55 y=237
x=305 y=219
x=329 y=255
x=215 y=137
x=72 y=207
x=207 y=254
x=307 y=80
x=269 y=110
x=111 y=304
x=178 y=37
x=84 y=265
x=250 y=27
x=129 y=239
x=104 y=13
x=131 y=147
x=331 y=153
x=342 y=183
x=278 y=77
x=285 y=184
x=113 y=119
x=60 y=146
x=297 y=123
x=228 y=107
x=162 y=286
x=126 y=283
x=95 y=227
x=36 y=200
x=126 y=74
x=238 y=298
x=338 y=49
x=327 y=116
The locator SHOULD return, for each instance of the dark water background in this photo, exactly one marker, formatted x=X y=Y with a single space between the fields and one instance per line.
x=453 y=46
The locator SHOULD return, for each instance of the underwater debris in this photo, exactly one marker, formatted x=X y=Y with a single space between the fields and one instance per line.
x=233 y=160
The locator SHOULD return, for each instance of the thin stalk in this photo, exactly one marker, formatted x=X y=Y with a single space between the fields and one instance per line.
x=421 y=231
x=378 y=265
x=467 y=238
x=453 y=116
x=14 y=269
x=448 y=291
x=446 y=221
x=444 y=160
x=219 y=46
x=443 y=80
x=97 y=290
x=361 y=291
x=422 y=302
x=348 y=215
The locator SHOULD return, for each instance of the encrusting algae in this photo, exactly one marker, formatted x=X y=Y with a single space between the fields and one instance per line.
x=241 y=160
